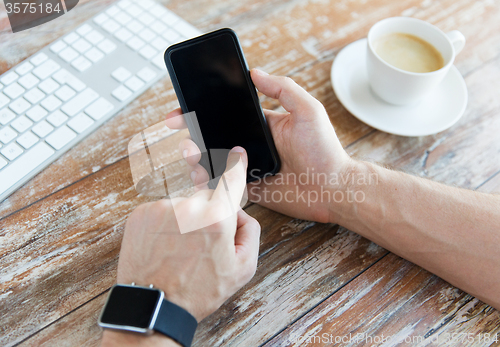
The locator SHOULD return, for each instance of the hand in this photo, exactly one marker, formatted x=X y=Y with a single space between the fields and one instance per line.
x=308 y=148
x=201 y=269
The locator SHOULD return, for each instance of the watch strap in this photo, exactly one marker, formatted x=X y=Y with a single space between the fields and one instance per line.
x=176 y=323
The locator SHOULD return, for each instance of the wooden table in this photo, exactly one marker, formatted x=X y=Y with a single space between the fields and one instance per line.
x=60 y=233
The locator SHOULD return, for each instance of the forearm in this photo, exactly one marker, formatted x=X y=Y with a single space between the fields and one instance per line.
x=112 y=338
x=454 y=233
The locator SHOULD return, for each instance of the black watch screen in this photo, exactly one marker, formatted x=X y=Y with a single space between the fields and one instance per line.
x=131 y=306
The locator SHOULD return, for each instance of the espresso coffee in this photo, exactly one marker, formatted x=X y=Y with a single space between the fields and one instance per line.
x=408 y=52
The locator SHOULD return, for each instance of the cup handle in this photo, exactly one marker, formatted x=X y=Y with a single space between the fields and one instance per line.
x=457 y=40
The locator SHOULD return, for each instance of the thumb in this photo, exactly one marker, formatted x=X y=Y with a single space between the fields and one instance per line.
x=247 y=241
x=291 y=96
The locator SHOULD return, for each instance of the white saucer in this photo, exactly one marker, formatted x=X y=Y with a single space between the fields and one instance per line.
x=438 y=111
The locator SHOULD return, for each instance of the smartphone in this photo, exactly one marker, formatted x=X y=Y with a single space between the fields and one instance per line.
x=212 y=81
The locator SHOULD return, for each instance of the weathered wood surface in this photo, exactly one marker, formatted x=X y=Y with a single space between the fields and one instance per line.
x=61 y=231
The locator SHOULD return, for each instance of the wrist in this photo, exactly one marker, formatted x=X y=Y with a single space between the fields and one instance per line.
x=351 y=190
x=115 y=338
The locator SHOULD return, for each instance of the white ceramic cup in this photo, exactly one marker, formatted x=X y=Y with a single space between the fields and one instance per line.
x=400 y=87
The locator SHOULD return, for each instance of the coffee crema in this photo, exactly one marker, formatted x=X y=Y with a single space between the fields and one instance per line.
x=408 y=52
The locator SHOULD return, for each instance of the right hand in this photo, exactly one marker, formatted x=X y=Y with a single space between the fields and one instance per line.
x=307 y=146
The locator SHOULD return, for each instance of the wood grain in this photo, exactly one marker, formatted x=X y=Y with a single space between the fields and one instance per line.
x=389 y=296
x=61 y=236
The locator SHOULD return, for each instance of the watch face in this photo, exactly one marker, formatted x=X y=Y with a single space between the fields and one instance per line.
x=131 y=306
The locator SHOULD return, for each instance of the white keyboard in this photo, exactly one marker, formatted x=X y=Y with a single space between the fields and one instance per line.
x=57 y=97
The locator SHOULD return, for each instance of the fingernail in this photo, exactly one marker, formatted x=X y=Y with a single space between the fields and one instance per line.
x=193 y=175
x=260 y=72
x=238 y=149
x=185 y=153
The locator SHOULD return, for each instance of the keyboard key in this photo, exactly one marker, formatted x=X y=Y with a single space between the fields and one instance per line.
x=46 y=69
x=158 y=27
x=14 y=90
x=123 y=18
x=121 y=74
x=21 y=124
x=65 y=93
x=145 y=4
x=147 y=35
x=111 y=26
x=94 y=55
x=27 y=140
x=135 y=27
x=135 y=43
x=19 y=105
x=64 y=76
x=59 y=138
x=134 y=83
x=3 y=100
x=170 y=18
x=121 y=93
x=101 y=18
x=81 y=45
x=147 y=52
x=1 y=86
x=81 y=64
x=23 y=69
x=79 y=102
x=94 y=37
x=99 y=108
x=7 y=134
x=3 y=162
x=124 y=4
x=34 y=95
x=68 y=54
x=134 y=10
x=146 y=74
x=57 y=118
x=49 y=85
x=42 y=128
x=72 y=37
x=80 y=123
x=146 y=18
x=171 y=36
x=123 y=34
x=36 y=113
x=107 y=46
x=186 y=29
x=9 y=77
x=158 y=11
x=112 y=11
x=159 y=61
x=160 y=44
x=58 y=46
x=24 y=165
x=38 y=59
x=6 y=116
x=28 y=81
x=12 y=151
x=84 y=29
x=51 y=103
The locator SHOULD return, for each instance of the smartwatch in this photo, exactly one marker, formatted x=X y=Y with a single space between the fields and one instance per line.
x=144 y=310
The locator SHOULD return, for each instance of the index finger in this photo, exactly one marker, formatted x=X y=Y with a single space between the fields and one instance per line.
x=175 y=119
x=232 y=184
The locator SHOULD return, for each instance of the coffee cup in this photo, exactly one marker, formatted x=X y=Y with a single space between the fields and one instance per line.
x=408 y=57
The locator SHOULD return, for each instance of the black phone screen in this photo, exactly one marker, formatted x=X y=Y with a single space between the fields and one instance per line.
x=214 y=84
